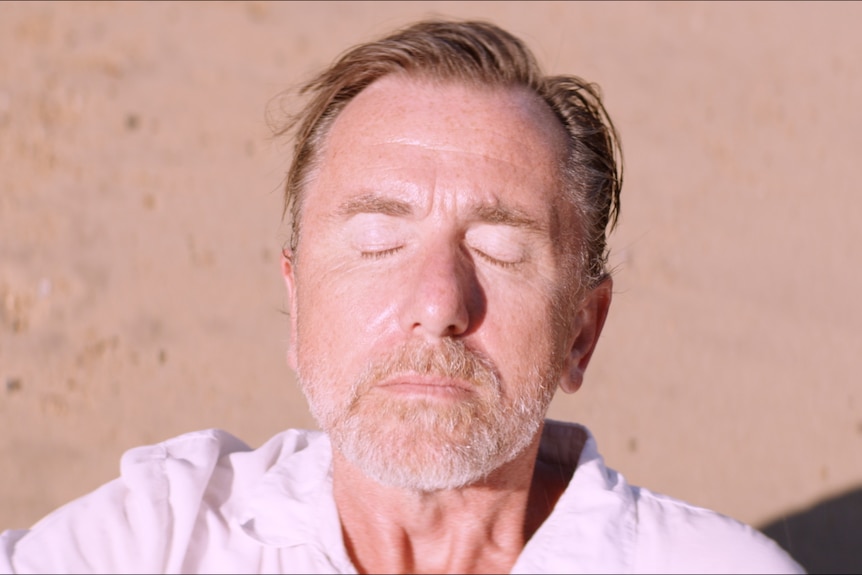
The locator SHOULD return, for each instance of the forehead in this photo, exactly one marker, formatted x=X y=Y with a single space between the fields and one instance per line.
x=507 y=125
x=453 y=116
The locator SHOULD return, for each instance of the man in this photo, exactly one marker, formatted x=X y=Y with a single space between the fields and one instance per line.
x=445 y=273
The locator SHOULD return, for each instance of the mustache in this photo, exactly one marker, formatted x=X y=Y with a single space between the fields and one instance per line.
x=448 y=358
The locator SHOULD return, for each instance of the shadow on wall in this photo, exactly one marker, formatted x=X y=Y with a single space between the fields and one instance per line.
x=826 y=538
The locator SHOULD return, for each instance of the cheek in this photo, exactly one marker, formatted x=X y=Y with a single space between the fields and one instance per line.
x=522 y=331
x=342 y=315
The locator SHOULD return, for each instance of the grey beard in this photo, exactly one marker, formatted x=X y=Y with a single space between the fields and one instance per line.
x=424 y=445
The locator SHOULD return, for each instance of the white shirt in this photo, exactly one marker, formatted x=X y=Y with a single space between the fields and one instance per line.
x=206 y=502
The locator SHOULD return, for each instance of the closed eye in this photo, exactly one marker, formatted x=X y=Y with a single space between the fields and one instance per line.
x=377 y=254
x=495 y=261
x=500 y=245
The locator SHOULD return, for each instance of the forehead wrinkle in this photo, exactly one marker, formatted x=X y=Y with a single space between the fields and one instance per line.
x=461 y=149
x=495 y=214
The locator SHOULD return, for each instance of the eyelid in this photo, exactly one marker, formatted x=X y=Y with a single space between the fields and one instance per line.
x=498 y=244
x=495 y=261
x=376 y=254
x=374 y=235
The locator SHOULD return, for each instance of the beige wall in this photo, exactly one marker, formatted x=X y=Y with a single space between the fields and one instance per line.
x=140 y=226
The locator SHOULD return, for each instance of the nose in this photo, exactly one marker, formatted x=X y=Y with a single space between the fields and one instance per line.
x=445 y=298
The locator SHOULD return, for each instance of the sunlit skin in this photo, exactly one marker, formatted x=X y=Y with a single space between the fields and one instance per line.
x=437 y=212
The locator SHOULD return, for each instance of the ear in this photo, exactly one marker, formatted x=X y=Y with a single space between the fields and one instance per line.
x=587 y=325
x=289 y=274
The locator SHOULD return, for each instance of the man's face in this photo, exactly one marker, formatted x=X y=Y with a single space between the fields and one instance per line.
x=429 y=286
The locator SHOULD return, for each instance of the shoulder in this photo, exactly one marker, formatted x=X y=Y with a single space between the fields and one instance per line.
x=677 y=537
x=193 y=458
x=144 y=520
x=602 y=523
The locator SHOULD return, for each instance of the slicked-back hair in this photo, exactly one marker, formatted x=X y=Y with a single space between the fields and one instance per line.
x=482 y=55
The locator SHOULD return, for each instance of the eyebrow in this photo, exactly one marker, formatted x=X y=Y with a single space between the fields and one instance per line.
x=488 y=213
x=508 y=216
x=372 y=204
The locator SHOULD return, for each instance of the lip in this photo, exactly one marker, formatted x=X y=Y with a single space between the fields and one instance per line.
x=424 y=385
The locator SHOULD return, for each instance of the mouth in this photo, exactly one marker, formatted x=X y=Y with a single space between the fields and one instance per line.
x=427 y=386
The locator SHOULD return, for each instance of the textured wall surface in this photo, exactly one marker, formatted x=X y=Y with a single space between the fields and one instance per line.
x=140 y=294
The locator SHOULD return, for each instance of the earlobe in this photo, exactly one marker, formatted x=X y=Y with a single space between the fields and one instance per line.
x=288 y=274
x=587 y=326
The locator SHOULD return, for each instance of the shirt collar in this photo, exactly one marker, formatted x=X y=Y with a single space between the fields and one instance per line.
x=593 y=524
x=293 y=504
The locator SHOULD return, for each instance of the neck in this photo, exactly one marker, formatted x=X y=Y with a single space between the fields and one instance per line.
x=480 y=528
